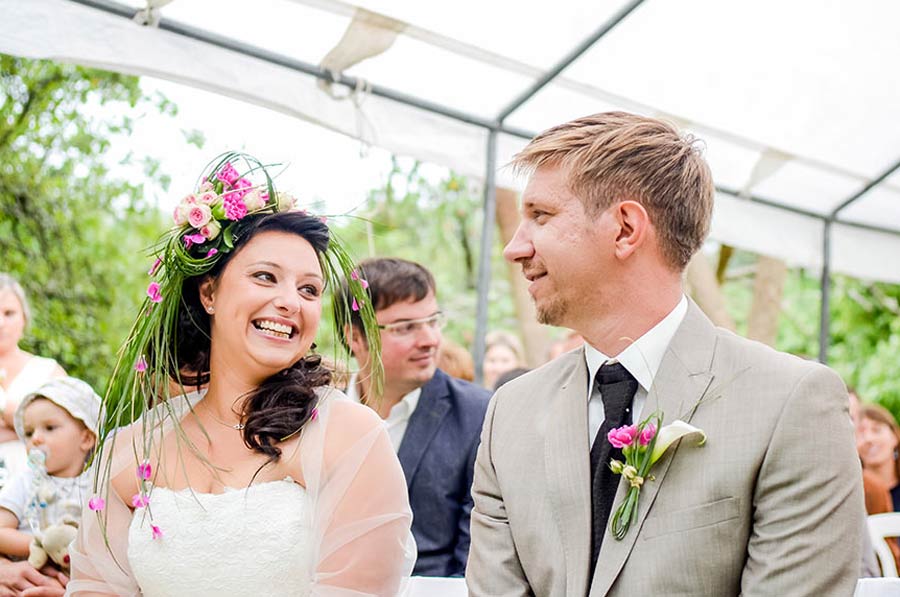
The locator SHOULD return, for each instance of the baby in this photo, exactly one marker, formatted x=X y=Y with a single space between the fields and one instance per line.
x=58 y=424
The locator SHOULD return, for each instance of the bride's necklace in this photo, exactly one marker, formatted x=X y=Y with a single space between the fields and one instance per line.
x=235 y=426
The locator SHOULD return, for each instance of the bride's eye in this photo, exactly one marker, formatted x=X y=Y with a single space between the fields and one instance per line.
x=264 y=276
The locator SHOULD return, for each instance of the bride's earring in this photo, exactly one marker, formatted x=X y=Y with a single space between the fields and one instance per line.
x=210 y=309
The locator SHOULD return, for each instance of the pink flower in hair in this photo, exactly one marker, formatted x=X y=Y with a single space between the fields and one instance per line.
x=193 y=239
x=156 y=531
x=144 y=471
x=96 y=503
x=212 y=252
x=155 y=266
x=205 y=186
x=140 y=501
x=199 y=215
x=141 y=364
x=228 y=174
x=355 y=305
x=235 y=208
x=362 y=281
x=207 y=198
x=153 y=292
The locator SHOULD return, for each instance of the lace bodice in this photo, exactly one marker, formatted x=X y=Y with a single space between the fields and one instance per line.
x=249 y=542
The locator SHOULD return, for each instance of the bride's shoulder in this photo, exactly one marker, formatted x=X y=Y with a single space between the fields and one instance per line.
x=336 y=408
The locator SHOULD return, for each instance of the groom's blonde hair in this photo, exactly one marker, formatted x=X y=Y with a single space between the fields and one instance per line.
x=617 y=156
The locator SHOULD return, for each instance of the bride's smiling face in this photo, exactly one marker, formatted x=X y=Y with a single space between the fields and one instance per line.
x=266 y=305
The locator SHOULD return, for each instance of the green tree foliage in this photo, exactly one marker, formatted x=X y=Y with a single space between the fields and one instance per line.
x=864 y=321
x=70 y=234
x=436 y=223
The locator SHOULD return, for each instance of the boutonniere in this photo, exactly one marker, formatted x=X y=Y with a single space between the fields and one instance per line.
x=642 y=445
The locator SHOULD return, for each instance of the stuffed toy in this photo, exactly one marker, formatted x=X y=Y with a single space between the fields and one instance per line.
x=53 y=542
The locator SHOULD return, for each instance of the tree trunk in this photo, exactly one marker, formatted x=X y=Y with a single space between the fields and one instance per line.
x=768 y=290
x=534 y=335
x=704 y=289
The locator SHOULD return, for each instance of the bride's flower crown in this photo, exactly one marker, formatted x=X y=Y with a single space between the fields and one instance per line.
x=207 y=217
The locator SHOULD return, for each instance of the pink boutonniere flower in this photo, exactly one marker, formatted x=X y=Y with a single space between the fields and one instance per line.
x=642 y=446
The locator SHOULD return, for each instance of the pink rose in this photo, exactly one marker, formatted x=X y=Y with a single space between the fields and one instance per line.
x=622 y=437
x=207 y=198
x=199 y=215
x=206 y=186
x=211 y=230
x=228 y=174
x=180 y=215
x=648 y=434
x=254 y=201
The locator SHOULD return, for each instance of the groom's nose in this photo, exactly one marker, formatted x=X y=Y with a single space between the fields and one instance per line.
x=519 y=246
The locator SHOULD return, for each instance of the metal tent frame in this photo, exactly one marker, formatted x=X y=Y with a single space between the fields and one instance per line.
x=494 y=127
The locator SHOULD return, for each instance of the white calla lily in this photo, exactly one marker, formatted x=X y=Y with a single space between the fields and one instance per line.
x=671 y=433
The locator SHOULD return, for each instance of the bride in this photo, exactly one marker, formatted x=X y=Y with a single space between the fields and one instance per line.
x=268 y=482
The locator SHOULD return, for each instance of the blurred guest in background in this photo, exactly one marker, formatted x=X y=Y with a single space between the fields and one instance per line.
x=509 y=376
x=571 y=341
x=455 y=360
x=879 y=447
x=502 y=352
x=434 y=420
x=877 y=496
x=20 y=372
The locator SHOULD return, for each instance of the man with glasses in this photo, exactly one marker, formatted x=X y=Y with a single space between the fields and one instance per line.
x=434 y=420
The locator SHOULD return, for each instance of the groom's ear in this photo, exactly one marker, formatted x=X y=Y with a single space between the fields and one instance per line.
x=356 y=340
x=634 y=227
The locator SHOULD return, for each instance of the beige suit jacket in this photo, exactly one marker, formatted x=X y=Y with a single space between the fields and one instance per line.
x=770 y=506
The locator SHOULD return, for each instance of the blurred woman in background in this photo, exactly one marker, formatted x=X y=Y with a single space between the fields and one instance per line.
x=20 y=372
x=503 y=352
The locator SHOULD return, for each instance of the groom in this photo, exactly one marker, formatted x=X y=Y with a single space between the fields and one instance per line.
x=771 y=505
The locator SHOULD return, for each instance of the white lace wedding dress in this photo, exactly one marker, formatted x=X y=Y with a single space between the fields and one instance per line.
x=244 y=542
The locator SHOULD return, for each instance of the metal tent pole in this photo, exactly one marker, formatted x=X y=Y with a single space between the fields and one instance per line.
x=484 y=262
x=824 y=310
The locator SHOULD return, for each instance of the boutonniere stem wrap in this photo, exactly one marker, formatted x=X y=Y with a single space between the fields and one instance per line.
x=642 y=446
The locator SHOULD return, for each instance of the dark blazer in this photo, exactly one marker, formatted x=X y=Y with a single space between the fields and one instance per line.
x=438 y=456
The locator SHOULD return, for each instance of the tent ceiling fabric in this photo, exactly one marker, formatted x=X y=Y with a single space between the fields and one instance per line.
x=796 y=102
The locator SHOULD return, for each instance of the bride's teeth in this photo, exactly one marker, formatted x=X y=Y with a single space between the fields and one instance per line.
x=272 y=328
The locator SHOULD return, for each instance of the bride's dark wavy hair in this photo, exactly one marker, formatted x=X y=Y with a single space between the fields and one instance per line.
x=284 y=402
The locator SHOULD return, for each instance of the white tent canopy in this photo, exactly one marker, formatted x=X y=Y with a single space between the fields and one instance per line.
x=797 y=101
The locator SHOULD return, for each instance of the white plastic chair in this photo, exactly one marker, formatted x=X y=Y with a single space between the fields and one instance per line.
x=882 y=526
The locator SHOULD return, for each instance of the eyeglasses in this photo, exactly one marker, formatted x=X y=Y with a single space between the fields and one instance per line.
x=412 y=326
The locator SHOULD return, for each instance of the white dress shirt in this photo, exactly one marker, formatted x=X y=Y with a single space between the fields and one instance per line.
x=400 y=413
x=642 y=359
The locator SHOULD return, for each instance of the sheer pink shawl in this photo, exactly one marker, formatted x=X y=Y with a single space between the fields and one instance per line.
x=361 y=515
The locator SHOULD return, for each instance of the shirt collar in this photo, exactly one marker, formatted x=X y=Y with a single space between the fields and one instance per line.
x=410 y=401
x=642 y=357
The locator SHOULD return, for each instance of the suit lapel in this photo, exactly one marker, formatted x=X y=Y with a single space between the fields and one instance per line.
x=567 y=451
x=423 y=425
x=683 y=378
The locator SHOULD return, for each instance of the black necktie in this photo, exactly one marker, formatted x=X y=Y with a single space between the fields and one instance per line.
x=617 y=388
